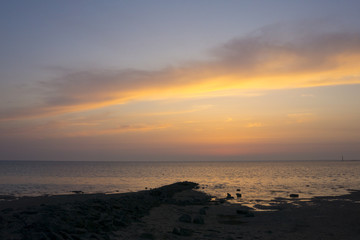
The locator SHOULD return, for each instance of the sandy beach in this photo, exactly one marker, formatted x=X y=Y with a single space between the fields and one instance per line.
x=177 y=211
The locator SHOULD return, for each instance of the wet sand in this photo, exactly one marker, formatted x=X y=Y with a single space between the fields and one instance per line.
x=177 y=211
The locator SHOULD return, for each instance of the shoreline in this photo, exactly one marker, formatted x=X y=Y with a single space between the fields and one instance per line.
x=177 y=211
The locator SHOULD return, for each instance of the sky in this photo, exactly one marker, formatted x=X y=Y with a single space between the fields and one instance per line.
x=164 y=80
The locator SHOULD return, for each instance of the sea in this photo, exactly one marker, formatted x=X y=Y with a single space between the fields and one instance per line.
x=264 y=180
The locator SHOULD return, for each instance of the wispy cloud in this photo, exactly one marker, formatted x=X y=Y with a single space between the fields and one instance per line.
x=118 y=130
x=229 y=119
x=307 y=95
x=194 y=109
x=255 y=63
x=254 y=125
x=301 y=117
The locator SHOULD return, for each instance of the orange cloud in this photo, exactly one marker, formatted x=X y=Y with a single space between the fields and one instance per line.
x=254 y=124
x=244 y=65
x=301 y=117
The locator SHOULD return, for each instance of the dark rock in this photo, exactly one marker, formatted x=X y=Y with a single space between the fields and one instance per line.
x=185 y=218
x=245 y=212
x=7 y=197
x=250 y=214
x=294 y=195
x=29 y=212
x=155 y=192
x=147 y=236
x=78 y=192
x=119 y=223
x=238 y=190
x=176 y=231
x=228 y=196
x=238 y=195
x=182 y=231
x=202 y=211
x=198 y=220
x=7 y=210
x=242 y=211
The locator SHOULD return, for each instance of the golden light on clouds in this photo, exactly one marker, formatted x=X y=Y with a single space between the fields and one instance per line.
x=252 y=93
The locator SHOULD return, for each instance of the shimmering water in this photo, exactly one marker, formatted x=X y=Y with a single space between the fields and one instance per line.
x=257 y=180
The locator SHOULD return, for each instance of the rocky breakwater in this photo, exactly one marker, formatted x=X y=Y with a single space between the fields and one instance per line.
x=81 y=216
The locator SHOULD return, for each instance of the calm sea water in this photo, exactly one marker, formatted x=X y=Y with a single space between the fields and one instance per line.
x=257 y=180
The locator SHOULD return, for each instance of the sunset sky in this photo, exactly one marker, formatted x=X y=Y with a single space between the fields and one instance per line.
x=179 y=80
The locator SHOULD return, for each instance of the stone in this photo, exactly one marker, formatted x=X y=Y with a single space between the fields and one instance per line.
x=202 y=211
x=238 y=195
x=78 y=192
x=182 y=231
x=238 y=190
x=250 y=214
x=147 y=236
x=198 y=220
x=228 y=196
x=241 y=211
x=245 y=212
x=185 y=218
x=294 y=195
x=119 y=223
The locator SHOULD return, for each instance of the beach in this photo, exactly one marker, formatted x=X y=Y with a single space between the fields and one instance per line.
x=178 y=211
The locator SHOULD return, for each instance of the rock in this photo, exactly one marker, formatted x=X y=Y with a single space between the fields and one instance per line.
x=147 y=236
x=198 y=220
x=185 y=218
x=250 y=214
x=228 y=196
x=119 y=223
x=238 y=195
x=238 y=190
x=294 y=195
x=7 y=210
x=7 y=197
x=245 y=212
x=155 y=192
x=202 y=211
x=78 y=192
x=176 y=231
x=241 y=211
x=182 y=231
